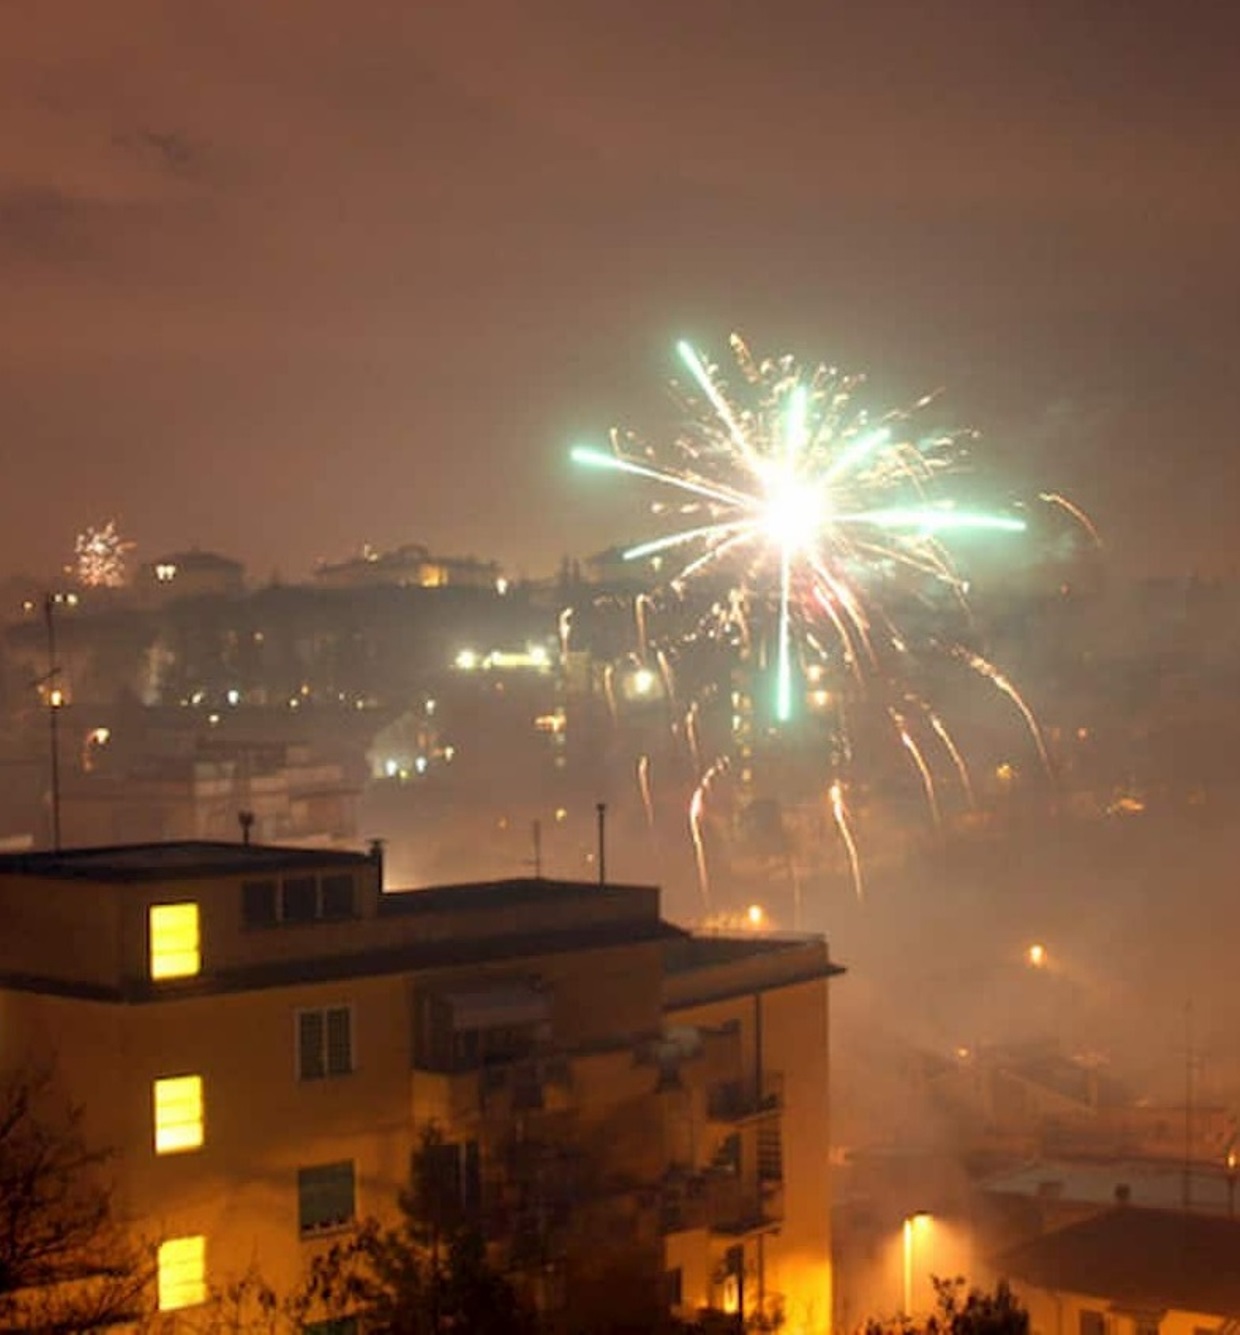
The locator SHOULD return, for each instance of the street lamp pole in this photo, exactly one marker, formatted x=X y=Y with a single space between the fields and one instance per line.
x=54 y=699
x=910 y=1228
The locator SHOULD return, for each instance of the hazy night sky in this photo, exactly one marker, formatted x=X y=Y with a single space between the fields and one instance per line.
x=282 y=278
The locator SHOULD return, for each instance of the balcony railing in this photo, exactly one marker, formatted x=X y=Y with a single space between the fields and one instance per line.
x=721 y=1203
x=495 y=1090
x=741 y=1100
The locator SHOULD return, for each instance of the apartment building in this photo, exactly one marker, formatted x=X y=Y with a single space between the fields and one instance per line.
x=636 y=1118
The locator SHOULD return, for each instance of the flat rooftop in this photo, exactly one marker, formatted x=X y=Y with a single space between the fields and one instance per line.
x=690 y=953
x=486 y=896
x=184 y=860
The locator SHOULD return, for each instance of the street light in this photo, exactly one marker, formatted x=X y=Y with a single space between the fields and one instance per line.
x=1036 y=955
x=913 y=1224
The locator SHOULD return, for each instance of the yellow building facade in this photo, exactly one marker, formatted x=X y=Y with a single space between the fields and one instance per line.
x=635 y=1118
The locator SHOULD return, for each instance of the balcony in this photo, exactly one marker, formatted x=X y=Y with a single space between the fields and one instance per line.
x=720 y=1203
x=736 y=1102
x=449 y=1098
x=493 y=1092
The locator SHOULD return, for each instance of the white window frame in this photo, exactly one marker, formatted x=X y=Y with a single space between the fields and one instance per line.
x=346 y=1006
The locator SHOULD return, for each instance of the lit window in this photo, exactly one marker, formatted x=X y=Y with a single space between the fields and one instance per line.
x=182 y=1272
x=324 y=1042
x=174 y=941
x=178 y=1114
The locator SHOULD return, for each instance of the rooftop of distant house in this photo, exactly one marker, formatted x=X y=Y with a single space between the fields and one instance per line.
x=185 y=859
x=196 y=560
x=1147 y=1260
x=485 y=896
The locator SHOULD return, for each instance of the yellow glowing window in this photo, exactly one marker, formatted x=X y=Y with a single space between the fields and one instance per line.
x=182 y=1272
x=174 y=941
x=178 y=1114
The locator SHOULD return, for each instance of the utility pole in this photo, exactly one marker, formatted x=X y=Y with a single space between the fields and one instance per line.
x=537 y=833
x=601 y=808
x=1188 y=1105
x=54 y=700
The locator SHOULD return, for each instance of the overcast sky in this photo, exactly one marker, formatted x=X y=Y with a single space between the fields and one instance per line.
x=282 y=278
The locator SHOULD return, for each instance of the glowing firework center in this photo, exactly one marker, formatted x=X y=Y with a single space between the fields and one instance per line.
x=808 y=496
x=818 y=532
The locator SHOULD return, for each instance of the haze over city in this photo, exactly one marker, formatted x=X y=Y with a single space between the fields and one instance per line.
x=280 y=284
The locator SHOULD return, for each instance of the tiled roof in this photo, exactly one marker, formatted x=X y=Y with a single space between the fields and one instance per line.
x=1142 y=1259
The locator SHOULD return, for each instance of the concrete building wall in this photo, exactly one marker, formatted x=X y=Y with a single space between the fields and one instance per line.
x=1060 y=1314
x=782 y=1032
x=754 y=1066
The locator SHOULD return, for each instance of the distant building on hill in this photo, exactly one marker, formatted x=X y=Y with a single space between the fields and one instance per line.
x=409 y=566
x=192 y=574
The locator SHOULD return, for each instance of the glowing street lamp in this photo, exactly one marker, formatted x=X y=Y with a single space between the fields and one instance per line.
x=1036 y=955
x=913 y=1224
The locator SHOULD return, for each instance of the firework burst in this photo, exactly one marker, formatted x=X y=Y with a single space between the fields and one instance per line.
x=823 y=518
x=101 y=555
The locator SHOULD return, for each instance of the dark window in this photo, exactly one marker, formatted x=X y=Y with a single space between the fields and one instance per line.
x=449 y=1181
x=337 y=896
x=258 y=903
x=728 y=1156
x=1092 y=1322
x=326 y=1196
x=673 y=1288
x=299 y=897
x=339 y=1041
x=324 y=1042
x=311 y=1063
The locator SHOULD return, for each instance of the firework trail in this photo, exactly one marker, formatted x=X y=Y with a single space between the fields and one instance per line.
x=825 y=523
x=639 y=612
x=949 y=745
x=697 y=809
x=643 y=786
x=803 y=496
x=691 y=734
x=840 y=813
x=988 y=670
x=1054 y=498
x=919 y=763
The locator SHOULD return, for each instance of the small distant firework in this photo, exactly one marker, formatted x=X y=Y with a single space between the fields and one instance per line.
x=827 y=523
x=101 y=554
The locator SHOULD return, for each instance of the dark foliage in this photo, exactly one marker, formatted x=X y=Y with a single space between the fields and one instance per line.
x=65 y=1264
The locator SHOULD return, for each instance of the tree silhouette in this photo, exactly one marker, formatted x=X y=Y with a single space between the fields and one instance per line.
x=65 y=1263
